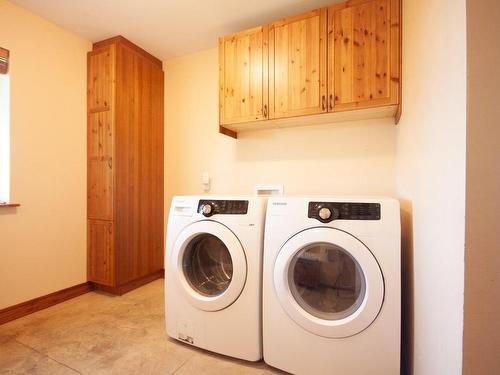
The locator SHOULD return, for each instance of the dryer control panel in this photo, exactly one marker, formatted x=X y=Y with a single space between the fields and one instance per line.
x=328 y=211
x=209 y=207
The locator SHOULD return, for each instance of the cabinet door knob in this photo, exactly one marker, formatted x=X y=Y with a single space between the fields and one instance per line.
x=331 y=101
x=323 y=103
x=265 y=110
x=110 y=163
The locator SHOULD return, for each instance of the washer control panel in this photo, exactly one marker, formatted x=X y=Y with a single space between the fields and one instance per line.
x=328 y=211
x=209 y=207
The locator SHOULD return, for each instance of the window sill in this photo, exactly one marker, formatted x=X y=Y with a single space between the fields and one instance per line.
x=9 y=205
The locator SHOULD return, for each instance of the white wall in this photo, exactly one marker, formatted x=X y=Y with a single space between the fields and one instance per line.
x=431 y=179
x=422 y=161
x=349 y=158
x=43 y=242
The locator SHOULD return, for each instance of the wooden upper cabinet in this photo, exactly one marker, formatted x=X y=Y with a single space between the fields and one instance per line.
x=243 y=77
x=298 y=65
x=101 y=78
x=343 y=61
x=364 y=62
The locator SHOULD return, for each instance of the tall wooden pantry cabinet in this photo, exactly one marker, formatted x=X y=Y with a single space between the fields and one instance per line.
x=125 y=166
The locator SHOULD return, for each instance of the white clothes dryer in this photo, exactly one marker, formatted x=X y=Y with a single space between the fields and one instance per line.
x=331 y=286
x=213 y=274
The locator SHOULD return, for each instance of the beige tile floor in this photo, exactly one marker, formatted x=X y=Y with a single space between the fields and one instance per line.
x=102 y=334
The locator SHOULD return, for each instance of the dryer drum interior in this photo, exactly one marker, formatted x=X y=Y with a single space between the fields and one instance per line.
x=326 y=281
x=207 y=265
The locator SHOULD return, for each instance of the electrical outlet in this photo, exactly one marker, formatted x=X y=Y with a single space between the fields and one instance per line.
x=205 y=181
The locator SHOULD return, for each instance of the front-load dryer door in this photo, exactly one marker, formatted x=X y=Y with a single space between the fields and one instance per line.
x=210 y=264
x=328 y=282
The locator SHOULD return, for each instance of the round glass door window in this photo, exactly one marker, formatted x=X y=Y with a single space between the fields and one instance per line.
x=326 y=281
x=207 y=265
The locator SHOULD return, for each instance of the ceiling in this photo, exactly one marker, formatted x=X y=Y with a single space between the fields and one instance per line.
x=166 y=28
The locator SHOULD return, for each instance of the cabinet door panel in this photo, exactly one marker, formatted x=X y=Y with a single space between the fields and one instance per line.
x=243 y=76
x=100 y=80
x=100 y=252
x=361 y=64
x=100 y=166
x=100 y=134
x=100 y=189
x=298 y=65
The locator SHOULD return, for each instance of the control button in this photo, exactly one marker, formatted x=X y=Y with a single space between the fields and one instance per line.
x=206 y=209
x=325 y=213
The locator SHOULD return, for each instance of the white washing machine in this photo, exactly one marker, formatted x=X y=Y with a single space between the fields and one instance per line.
x=331 y=286
x=214 y=274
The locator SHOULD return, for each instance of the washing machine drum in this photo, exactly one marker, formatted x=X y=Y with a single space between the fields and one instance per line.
x=210 y=265
x=328 y=282
x=207 y=265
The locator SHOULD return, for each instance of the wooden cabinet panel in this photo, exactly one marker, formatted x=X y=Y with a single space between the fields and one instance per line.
x=157 y=225
x=297 y=65
x=100 y=134
x=343 y=58
x=100 y=166
x=363 y=54
x=149 y=224
x=100 y=188
x=100 y=252
x=243 y=85
x=128 y=162
x=125 y=165
x=139 y=166
x=100 y=72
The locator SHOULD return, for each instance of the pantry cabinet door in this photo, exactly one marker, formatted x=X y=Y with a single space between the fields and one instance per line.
x=243 y=76
x=363 y=54
x=100 y=165
x=100 y=79
x=298 y=65
x=100 y=252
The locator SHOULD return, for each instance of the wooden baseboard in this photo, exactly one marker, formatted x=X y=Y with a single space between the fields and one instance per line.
x=25 y=308
x=134 y=284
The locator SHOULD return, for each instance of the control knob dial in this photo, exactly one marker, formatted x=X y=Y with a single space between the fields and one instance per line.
x=206 y=209
x=325 y=213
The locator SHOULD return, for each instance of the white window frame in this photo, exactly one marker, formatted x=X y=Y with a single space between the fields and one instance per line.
x=4 y=138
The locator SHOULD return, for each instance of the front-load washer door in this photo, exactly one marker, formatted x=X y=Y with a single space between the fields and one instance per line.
x=328 y=282
x=210 y=265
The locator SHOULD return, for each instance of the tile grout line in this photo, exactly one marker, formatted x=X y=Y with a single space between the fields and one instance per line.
x=182 y=364
x=48 y=356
